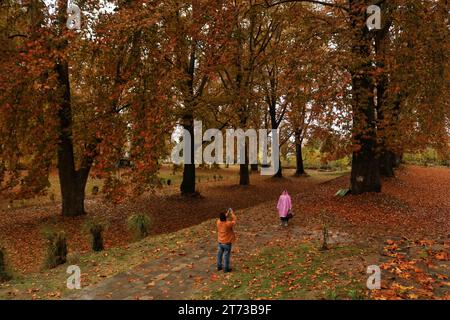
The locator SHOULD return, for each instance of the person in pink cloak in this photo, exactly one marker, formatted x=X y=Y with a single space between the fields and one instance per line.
x=284 y=207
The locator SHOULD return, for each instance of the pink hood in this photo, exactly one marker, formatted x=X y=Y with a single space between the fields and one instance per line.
x=284 y=204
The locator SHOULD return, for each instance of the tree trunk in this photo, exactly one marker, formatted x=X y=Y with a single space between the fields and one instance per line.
x=72 y=182
x=188 y=184
x=244 y=173
x=398 y=160
x=387 y=164
x=385 y=117
x=275 y=124
x=279 y=173
x=300 y=170
x=244 y=177
x=365 y=176
x=73 y=186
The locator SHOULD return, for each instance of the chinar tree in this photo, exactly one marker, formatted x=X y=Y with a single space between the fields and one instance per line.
x=78 y=97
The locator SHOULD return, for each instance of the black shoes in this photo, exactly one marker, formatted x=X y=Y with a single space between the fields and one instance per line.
x=227 y=270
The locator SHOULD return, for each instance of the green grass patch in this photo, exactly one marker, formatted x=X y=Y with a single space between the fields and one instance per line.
x=294 y=272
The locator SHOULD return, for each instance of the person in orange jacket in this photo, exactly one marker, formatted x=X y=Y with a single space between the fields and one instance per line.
x=225 y=237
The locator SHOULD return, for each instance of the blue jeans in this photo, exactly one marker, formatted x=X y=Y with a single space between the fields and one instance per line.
x=224 y=250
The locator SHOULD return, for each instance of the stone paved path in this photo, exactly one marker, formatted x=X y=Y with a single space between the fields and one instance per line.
x=180 y=276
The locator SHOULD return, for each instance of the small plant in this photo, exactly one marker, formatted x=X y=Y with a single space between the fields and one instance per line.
x=355 y=294
x=324 y=230
x=331 y=295
x=4 y=274
x=57 y=248
x=96 y=228
x=325 y=238
x=139 y=224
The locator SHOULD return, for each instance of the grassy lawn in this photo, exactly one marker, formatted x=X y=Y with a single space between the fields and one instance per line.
x=300 y=271
x=275 y=272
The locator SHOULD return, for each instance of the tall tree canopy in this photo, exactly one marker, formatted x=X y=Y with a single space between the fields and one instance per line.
x=85 y=99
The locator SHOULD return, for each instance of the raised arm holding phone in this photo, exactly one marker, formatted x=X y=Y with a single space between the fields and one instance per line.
x=225 y=237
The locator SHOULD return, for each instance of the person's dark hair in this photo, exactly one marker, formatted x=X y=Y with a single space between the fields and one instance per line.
x=223 y=216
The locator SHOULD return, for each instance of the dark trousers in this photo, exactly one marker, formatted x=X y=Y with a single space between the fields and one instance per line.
x=225 y=252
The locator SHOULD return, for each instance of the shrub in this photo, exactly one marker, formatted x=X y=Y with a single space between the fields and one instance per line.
x=4 y=274
x=427 y=157
x=56 y=248
x=312 y=158
x=139 y=224
x=97 y=239
x=96 y=228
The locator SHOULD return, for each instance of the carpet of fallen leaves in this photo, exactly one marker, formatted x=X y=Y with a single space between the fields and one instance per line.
x=415 y=270
x=415 y=204
x=405 y=229
x=21 y=228
x=408 y=223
